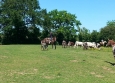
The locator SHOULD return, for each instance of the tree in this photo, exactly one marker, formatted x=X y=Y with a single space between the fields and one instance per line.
x=16 y=15
x=108 y=32
x=111 y=23
x=46 y=24
x=94 y=36
x=64 y=23
x=84 y=34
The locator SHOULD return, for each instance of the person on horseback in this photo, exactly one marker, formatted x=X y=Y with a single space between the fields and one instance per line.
x=52 y=39
x=51 y=35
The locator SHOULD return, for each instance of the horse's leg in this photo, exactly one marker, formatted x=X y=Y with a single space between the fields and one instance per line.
x=52 y=46
x=55 y=44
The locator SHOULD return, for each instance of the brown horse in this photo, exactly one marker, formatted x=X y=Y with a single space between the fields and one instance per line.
x=110 y=43
x=47 y=41
x=70 y=43
x=53 y=42
x=44 y=43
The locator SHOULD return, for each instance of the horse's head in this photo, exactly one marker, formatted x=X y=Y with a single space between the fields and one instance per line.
x=110 y=43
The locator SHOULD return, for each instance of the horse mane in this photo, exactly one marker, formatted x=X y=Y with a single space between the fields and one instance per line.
x=111 y=41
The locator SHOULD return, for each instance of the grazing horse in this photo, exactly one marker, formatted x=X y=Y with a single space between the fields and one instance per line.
x=64 y=44
x=102 y=43
x=70 y=43
x=78 y=43
x=46 y=41
x=85 y=46
x=91 y=44
x=110 y=43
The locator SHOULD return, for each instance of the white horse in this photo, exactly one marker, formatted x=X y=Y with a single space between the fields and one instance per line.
x=78 y=43
x=102 y=43
x=91 y=44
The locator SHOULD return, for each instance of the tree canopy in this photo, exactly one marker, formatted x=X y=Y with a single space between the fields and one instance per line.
x=108 y=32
x=24 y=21
x=16 y=16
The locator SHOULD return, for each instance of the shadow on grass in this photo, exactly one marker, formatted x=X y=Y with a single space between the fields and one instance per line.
x=113 y=64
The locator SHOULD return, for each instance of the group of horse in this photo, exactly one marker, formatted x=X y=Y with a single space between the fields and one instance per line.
x=46 y=41
x=65 y=44
x=87 y=45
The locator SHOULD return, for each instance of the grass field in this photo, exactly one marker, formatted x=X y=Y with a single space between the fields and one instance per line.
x=28 y=64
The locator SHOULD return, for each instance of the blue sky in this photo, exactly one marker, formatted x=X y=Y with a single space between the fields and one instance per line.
x=93 y=14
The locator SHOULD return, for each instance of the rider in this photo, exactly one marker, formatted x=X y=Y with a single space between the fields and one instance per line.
x=51 y=35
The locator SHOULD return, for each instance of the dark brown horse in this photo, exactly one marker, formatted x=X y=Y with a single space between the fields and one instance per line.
x=47 y=41
x=110 y=43
x=53 y=42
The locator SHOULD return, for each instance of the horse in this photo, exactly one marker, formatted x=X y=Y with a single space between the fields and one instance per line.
x=110 y=43
x=91 y=44
x=53 y=41
x=48 y=41
x=44 y=43
x=85 y=46
x=64 y=44
x=70 y=43
x=102 y=43
x=78 y=43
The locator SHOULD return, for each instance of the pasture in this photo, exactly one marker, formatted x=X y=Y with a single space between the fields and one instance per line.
x=28 y=64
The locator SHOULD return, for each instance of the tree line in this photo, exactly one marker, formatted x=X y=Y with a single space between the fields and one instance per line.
x=25 y=22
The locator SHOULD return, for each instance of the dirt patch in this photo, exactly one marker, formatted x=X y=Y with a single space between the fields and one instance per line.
x=106 y=68
x=3 y=57
x=73 y=60
x=97 y=75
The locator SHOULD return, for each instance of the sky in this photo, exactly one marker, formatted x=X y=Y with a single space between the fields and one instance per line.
x=93 y=14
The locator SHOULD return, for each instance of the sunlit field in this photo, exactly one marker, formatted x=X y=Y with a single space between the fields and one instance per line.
x=29 y=64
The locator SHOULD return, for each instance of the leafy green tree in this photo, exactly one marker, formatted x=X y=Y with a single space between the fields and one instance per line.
x=16 y=15
x=94 y=36
x=84 y=34
x=108 y=32
x=64 y=23
x=111 y=23
x=46 y=24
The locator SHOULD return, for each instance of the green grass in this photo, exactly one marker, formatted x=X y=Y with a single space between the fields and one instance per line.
x=28 y=64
